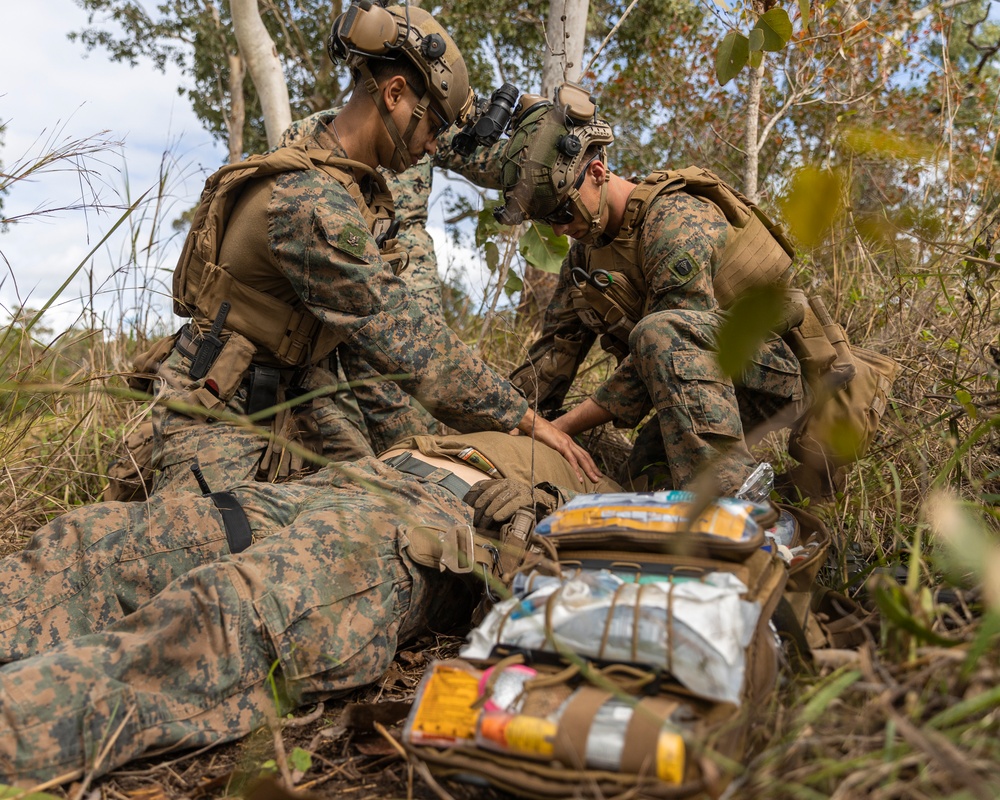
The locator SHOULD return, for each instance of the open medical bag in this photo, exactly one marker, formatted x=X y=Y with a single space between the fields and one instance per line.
x=631 y=656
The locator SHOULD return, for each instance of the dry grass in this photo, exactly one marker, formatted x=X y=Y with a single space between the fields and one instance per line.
x=915 y=531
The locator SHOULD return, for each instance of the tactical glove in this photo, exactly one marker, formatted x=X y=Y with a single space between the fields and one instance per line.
x=495 y=501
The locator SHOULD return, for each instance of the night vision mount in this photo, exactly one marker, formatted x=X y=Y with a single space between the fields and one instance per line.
x=491 y=119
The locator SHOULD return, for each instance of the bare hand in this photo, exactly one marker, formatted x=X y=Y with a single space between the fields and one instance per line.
x=545 y=432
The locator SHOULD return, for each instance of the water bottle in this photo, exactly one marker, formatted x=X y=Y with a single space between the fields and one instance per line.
x=757 y=488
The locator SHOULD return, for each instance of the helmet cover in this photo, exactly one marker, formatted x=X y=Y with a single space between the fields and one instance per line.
x=546 y=152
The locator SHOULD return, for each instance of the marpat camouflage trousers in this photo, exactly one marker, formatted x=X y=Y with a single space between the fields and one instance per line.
x=129 y=627
x=700 y=413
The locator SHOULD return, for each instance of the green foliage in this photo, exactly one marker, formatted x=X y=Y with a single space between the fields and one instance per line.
x=775 y=29
x=300 y=759
x=812 y=204
x=732 y=56
x=771 y=32
x=13 y=793
x=541 y=248
x=747 y=325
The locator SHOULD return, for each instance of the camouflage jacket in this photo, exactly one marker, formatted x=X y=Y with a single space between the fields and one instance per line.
x=677 y=228
x=321 y=253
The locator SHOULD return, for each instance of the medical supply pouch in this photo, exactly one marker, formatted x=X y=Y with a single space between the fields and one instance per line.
x=840 y=426
x=669 y=522
x=629 y=665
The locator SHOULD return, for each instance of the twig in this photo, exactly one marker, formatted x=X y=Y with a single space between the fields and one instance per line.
x=611 y=33
x=417 y=764
x=308 y=719
x=280 y=757
x=89 y=776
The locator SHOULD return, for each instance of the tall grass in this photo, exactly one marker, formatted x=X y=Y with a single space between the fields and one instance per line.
x=915 y=714
x=62 y=416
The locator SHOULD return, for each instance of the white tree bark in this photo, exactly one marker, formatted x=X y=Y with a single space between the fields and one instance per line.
x=565 y=35
x=753 y=143
x=262 y=60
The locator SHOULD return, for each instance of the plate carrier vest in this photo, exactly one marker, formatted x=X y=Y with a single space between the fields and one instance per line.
x=757 y=253
x=287 y=332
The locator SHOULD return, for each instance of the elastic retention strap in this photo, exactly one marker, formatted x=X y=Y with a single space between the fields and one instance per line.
x=262 y=388
x=234 y=520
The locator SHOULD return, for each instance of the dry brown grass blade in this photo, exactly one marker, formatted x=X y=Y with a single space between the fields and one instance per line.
x=421 y=768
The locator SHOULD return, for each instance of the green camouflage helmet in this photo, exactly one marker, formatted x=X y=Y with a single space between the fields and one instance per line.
x=367 y=30
x=546 y=152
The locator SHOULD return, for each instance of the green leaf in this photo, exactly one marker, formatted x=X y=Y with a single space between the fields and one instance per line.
x=541 y=248
x=749 y=322
x=731 y=57
x=300 y=759
x=805 y=10
x=838 y=684
x=513 y=285
x=12 y=792
x=776 y=28
x=882 y=142
x=811 y=204
x=492 y=253
x=892 y=602
x=756 y=58
x=487 y=226
x=756 y=40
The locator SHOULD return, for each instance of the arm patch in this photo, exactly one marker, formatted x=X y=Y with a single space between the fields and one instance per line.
x=352 y=239
x=683 y=266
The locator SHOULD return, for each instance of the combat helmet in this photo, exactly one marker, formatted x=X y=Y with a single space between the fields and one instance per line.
x=549 y=147
x=368 y=30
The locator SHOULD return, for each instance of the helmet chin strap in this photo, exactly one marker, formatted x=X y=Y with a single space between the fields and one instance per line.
x=596 y=222
x=401 y=156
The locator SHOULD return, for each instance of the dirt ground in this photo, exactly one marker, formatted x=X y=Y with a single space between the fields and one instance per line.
x=349 y=757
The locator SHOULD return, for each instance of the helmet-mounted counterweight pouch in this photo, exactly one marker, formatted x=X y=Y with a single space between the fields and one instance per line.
x=366 y=29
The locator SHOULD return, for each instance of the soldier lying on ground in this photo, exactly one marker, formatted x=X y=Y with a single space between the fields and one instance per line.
x=139 y=627
x=301 y=266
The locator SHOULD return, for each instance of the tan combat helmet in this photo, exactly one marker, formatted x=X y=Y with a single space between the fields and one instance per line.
x=367 y=30
x=546 y=153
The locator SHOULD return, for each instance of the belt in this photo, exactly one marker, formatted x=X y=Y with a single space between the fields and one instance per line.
x=407 y=462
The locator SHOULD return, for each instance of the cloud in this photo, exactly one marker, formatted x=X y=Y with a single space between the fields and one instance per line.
x=66 y=97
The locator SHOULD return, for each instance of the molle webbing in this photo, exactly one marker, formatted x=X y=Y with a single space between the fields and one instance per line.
x=757 y=252
x=287 y=331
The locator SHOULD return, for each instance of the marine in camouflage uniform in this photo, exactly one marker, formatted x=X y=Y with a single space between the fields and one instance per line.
x=304 y=239
x=127 y=628
x=663 y=270
x=380 y=408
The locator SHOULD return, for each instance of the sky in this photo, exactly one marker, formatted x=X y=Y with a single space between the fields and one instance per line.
x=57 y=96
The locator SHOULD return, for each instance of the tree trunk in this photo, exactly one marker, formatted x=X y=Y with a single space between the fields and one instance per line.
x=566 y=35
x=752 y=143
x=261 y=57
x=237 y=114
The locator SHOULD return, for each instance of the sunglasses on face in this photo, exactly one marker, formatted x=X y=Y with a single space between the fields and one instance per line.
x=563 y=213
x=442 y=123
